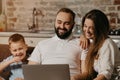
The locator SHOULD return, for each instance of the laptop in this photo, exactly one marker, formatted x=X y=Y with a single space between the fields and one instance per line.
x=46 y=72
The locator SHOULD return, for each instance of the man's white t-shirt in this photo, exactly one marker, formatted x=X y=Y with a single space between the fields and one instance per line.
x=59 y=51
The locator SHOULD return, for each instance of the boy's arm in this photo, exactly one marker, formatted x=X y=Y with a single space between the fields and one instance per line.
x=5 y=64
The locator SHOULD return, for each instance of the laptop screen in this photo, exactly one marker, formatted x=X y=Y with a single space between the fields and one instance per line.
x=46 y=72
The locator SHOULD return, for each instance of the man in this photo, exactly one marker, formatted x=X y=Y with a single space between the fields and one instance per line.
x=63 y=48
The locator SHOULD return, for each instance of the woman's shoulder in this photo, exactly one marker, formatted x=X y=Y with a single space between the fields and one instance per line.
x=108 y=44
x=109 y=41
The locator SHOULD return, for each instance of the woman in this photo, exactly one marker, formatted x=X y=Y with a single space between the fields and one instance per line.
x=103 y=55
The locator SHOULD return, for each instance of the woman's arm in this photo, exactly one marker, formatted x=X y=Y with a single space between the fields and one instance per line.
x=83 y=70
x=106 y=60
x=80 y=76
x=100 y=77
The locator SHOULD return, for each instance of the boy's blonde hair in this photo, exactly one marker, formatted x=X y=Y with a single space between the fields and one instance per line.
x=15 y=38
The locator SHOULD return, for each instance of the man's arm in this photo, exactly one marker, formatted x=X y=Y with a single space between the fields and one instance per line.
x=32 y=62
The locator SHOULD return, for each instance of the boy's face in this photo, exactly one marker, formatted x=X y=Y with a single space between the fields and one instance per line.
x=18 y=49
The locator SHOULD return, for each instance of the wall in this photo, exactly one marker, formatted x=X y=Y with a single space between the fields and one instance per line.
x=19 y=12
x=0 y=6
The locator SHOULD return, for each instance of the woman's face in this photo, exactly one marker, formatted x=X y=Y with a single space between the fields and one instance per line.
x=88 y=29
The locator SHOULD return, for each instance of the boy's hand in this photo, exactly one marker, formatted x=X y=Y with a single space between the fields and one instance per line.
x=16 y=59
x=19 y=79
x=1 y=78
x=84 y=42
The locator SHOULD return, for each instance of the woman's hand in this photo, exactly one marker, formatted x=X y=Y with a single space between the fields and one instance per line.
x=100 y=77
x=76 y=77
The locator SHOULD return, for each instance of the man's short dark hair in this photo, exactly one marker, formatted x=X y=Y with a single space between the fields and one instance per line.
x=67 y=10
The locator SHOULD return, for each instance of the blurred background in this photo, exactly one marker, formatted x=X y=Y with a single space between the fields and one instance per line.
x=34 y=19
x=24 y=15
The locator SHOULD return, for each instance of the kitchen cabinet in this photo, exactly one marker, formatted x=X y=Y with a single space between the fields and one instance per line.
x=33 y=38
x=116 y=39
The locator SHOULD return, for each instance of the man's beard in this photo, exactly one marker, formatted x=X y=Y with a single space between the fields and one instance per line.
x=65 y=35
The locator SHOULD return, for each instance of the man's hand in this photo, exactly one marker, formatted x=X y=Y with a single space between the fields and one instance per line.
x=72 y=78
x=84 y=42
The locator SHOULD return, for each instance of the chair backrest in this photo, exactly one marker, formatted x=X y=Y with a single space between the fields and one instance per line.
x=5 y=52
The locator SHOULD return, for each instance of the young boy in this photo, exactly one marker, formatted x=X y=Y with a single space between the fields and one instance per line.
x=18 y=49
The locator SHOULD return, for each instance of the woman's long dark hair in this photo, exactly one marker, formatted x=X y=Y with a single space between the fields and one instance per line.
x=101 y=29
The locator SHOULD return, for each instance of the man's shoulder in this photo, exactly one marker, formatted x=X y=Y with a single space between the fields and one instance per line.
x=75 y=39
x=45 y=40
